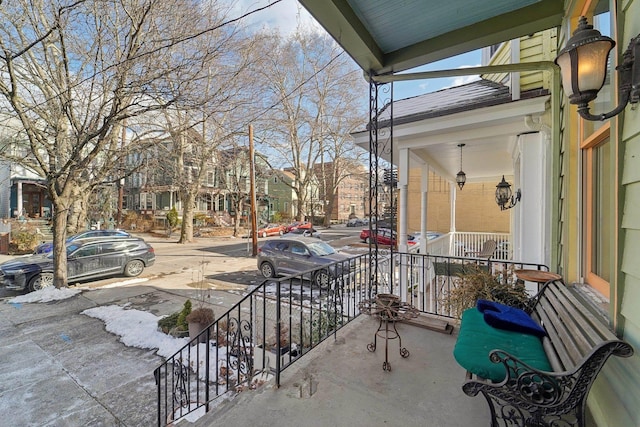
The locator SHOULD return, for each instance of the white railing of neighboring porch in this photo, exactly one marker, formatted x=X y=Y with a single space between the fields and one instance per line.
x=460 y=244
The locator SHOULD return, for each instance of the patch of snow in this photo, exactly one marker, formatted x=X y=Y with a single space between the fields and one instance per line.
x=137 y=329
x=47 y=294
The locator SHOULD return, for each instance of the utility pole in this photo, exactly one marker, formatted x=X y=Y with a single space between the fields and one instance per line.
x=252 y=192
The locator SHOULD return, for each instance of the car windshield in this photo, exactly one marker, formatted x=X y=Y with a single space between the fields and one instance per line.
x=321 y=249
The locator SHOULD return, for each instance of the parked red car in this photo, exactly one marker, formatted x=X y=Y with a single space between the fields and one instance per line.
x=271 y=230
x=302 y=225
x=384 y=237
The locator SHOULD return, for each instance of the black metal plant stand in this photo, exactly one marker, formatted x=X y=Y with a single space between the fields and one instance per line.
x=389 y=310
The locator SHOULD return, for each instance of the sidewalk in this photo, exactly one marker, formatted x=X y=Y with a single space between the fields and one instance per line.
x=59 y=367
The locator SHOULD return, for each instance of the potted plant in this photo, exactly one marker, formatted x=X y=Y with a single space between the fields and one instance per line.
x=198 y=320
x=272 y=349
x=284 y=338
x=478 y=284
x=202 y=316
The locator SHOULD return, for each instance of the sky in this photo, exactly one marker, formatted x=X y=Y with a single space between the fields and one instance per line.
x=287 y=14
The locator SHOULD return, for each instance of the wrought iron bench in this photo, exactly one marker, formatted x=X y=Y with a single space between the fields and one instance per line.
x=577 y=345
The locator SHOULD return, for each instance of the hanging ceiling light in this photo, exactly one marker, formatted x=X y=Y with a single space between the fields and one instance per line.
x=504 y=199
x=461 y=177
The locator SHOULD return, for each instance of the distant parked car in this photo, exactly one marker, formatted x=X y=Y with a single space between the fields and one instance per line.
x=86 y=259
x=287 y=256
x=272 y=230
x=355 y=222
x=298 y=224
x=47 y=247
x=384 y=237
x=305 y=232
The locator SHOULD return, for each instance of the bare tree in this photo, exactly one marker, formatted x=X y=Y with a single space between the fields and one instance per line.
x=219 y=97
x=72 y=73
x=313 y=100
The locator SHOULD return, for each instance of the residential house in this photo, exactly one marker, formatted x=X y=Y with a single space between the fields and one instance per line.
x=579 y=178
x=23 y=192
x=233 y=179
x=284 y=199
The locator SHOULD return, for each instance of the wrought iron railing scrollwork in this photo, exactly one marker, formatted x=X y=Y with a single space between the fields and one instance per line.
x=282 y=319
x=380 y=146
x=268 y=329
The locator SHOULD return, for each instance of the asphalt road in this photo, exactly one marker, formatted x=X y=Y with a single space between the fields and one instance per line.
x=223 y=259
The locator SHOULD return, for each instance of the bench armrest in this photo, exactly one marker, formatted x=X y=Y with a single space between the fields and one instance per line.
x=523 y=383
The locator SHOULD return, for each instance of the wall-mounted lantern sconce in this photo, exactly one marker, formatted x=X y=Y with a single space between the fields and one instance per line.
x=583 y=65
x=461 y=177
x=504 y=199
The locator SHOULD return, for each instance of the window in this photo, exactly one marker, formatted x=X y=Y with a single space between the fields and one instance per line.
x=599 y=191
x=494 y=48
x=598 y=178
x=298 y=250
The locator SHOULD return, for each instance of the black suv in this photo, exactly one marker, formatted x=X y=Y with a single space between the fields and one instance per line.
x=86 y=259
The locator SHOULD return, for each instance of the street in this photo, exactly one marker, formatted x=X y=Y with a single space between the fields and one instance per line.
x=220 y=261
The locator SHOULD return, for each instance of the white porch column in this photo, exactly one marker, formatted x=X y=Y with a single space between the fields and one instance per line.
x=424 y=196
x=19 y=201
x=403 y=182
x=452 y=227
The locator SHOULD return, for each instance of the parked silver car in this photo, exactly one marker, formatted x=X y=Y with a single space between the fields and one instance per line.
x=287 y=256
x=47 y=247
x=86 y=259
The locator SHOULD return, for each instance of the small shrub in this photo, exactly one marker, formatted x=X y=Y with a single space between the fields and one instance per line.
x=24 y=241
x=182 y=317
x=481 y=284
x=167 y=323
x=176 y=321
x=284 y=335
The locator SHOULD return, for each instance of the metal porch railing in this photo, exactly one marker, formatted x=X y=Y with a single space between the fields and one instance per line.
x=283 y=319
x=272 y=326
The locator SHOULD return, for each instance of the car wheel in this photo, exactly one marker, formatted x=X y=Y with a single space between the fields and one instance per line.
x=133 y=268
x=367 y=240
x=264 y=234
x=322 y=279
x=41 y=281
x=267 y=270
x=281 y=232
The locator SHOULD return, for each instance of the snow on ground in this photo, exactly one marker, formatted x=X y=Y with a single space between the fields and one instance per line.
x=137 y=329
x=47 y=294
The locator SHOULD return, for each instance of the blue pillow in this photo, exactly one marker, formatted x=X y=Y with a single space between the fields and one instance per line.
x=509 y=318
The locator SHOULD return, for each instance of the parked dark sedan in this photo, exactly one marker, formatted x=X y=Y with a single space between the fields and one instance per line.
x=294 y=255
x=47 y=247
x=86 y=259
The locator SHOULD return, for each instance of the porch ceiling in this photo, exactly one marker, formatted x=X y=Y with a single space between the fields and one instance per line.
x=489 y=135
x=384 y=36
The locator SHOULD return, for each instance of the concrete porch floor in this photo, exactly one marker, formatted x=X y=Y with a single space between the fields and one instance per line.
x=341 y=383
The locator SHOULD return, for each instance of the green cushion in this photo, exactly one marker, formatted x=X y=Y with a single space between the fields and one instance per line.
x=476 y=339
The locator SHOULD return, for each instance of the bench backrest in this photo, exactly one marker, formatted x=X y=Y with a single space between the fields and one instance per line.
x=574 y=332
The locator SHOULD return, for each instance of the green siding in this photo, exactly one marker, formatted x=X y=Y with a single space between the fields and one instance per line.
x=615 y=397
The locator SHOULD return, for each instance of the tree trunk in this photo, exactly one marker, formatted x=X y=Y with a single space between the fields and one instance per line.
x=236 y=225
x=77 y=216
x=327 y=213
x=59 y=248
x=186 y=231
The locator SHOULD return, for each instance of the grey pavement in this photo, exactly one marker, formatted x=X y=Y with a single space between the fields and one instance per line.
x=59 y=367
